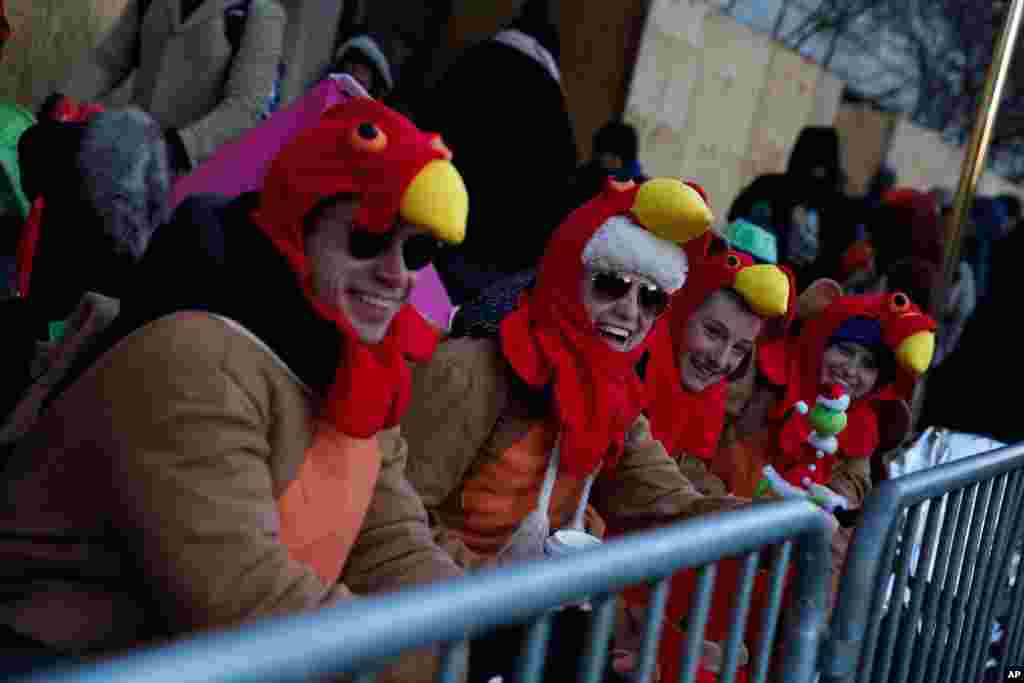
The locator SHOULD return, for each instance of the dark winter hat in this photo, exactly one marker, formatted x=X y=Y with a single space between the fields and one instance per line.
x=617 y=137
x=859 y=330
x=47 y=155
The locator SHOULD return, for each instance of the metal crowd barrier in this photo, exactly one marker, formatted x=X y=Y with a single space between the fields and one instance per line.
x=922 y=603
x=360 y=637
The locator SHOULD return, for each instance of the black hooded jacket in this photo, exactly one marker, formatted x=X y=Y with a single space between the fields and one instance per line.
x=984 y=369
x=506 y=121
x=817 y=147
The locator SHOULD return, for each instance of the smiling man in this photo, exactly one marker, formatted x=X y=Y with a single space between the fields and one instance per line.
x=236 y=453
x=708 y=339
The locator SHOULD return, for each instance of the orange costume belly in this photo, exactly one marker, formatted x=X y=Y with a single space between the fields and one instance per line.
x=322 y=510
x=498 y=495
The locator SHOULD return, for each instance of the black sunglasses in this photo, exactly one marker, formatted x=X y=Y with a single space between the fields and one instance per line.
x=418 y=251
x=613 y=286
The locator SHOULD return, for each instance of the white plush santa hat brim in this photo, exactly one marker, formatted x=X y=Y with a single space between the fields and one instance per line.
x=622 y=245
x=369 y=48
x=837 y=404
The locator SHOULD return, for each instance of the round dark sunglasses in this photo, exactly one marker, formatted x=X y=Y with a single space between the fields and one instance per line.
x=613 y=286
x=418 y=251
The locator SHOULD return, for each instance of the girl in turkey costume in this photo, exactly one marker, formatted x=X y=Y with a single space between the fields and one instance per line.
x=513 y=436
x=858 y=356
x=873 y=348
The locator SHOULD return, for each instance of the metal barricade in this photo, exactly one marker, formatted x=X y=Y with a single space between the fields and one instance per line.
x=361 y=636
x=931 y=566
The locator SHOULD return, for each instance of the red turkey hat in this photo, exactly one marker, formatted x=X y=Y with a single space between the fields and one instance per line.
x=549 y=340
x=692 y=422
x=366 y=150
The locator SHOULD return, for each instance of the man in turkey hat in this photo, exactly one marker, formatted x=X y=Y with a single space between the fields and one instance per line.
x=235 y=454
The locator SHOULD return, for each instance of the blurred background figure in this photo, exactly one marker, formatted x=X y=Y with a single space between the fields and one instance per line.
x=615 y=155
x=804 y=207
x=502 y=110
x=205 y=70
x=362 y=57
x=104 y=186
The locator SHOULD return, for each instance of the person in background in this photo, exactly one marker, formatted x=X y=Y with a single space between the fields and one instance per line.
x=615 y=154
x=963 y=395
x=989 y=222
x=804 y=207
x=104 y=185
x=205 y=70
x=14 y=206
x=502 y=109
x=363 y=58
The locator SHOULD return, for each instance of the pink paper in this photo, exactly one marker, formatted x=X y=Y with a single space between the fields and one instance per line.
x=240 y=166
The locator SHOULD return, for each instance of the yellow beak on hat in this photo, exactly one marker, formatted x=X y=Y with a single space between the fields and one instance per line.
x=765 y=288
x=437 y=200
x=672 y=210
x=915 y=352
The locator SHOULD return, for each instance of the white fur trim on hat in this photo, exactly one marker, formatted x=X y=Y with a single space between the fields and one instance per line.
x=837 y=404
x=622 y=245
x=368 y=46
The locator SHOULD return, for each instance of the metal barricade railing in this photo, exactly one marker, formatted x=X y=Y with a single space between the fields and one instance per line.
x=918 y=603
x=361 y=636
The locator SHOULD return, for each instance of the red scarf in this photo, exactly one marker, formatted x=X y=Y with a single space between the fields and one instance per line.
x=686 y=421
x=549 y=339
x=373 y=382
x=795 y=364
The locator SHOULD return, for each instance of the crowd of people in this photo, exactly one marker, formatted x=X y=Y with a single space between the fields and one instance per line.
x=231 y=409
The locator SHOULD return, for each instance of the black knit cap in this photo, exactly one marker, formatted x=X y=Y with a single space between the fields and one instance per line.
x=617 y=137
x=48 y=158
x=535 y=20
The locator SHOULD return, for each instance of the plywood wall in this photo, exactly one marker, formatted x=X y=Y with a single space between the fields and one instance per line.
x=716 y=102
x=865 y=134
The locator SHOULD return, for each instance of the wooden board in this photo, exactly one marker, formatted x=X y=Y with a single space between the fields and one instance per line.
x=733 y=67
x=787 y=101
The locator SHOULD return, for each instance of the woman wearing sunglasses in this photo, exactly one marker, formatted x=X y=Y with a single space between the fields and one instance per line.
x=236 y=454
x=511 y=438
